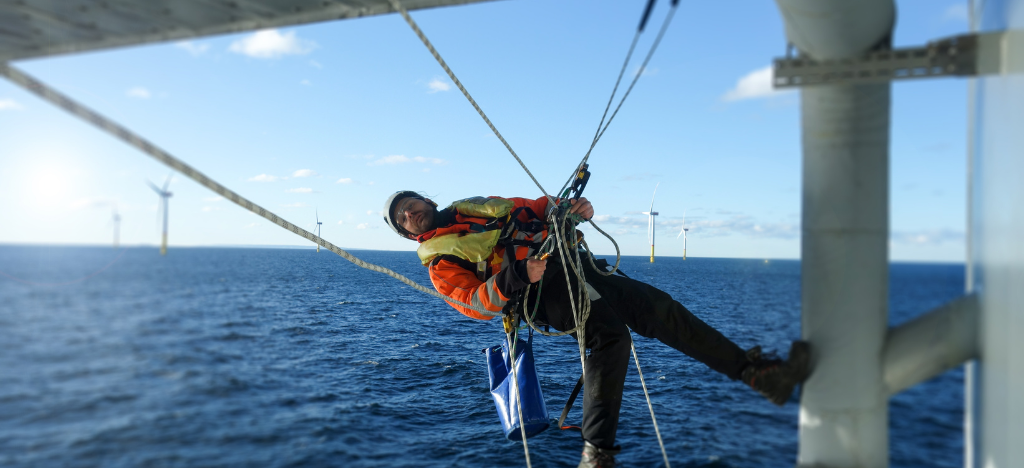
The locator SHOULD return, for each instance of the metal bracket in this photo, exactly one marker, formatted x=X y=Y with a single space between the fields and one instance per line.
x=965 y=55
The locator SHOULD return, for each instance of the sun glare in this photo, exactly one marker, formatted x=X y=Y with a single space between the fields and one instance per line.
x=51 y=181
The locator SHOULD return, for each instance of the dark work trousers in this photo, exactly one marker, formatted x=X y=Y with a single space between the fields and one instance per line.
x=649 y=312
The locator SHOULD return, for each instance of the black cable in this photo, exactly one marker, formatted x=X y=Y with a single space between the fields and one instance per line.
x=603 y=126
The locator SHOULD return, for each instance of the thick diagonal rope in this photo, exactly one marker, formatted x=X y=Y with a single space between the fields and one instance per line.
x=650 y=406
x=419 y=33
x=49 y=94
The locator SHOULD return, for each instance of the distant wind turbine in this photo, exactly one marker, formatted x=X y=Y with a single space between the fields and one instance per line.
x=318 y=223
x=682 y=232
x=117 y=228
x=164 y=196
x=650 y=221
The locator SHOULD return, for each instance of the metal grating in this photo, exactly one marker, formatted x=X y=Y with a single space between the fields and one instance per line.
x=38 y=28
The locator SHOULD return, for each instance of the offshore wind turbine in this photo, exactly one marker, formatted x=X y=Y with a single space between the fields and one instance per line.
x=682 y=232
x=117 y=228
x=164 y=196
x=650 y=221
x=318 y=223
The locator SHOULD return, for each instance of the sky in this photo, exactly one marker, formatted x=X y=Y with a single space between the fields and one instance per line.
x=327 y=120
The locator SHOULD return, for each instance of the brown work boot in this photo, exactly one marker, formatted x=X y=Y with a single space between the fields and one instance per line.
x=594 y=457
x=775 y=378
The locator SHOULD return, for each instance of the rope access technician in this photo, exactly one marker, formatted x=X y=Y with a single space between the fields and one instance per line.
x=481 y=251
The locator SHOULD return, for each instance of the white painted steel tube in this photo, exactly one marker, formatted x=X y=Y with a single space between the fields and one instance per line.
x=845 y=223
x=997 y=248
x=844 y=269
x=931 y=344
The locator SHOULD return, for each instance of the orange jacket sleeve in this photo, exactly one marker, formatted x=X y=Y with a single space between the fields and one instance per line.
x=462 y=285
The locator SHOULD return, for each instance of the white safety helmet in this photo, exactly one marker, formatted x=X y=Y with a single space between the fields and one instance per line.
x=389 y=207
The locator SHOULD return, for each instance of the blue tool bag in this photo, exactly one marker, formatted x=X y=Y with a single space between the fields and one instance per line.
x=503 y=389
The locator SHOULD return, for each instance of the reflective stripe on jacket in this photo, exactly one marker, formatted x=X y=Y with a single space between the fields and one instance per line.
x=468 y=259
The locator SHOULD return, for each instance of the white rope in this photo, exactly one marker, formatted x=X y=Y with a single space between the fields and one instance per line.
x=519 y=401
x=643 y=66
x=412 y=24
x=650 y=406
x=42 y=90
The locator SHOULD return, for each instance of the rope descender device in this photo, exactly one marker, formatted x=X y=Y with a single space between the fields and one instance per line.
x=508 y=321
x=580 y=182
x=573 y=192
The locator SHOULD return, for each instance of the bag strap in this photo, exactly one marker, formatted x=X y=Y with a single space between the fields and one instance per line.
x=568 y=405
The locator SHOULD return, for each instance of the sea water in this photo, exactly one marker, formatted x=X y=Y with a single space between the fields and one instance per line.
x=289 y=357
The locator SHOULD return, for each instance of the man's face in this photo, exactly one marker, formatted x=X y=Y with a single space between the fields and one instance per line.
x=415 y=215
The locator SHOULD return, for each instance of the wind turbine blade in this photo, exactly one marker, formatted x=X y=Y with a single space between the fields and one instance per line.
x=155 y=188
x=317 y=216
x=655 y=195
x=681 y=228
x=167 y=182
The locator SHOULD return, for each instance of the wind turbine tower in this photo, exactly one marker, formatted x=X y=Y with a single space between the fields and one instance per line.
x=650 y=221
x=682 y=232
x=164 y=196
x=117 y=228
x=318 y=223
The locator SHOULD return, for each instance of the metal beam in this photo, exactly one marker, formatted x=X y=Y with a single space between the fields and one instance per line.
x=964 y=55
x=931 y=344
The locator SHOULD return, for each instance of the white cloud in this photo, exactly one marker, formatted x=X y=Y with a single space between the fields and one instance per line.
x=734 y=225
x=193 y=48
x=369 y=212
x=306 y=83
x=421 y=159
x=270 y=43
x=756 y=84
x=363 y=226
x=402 y=159
x=956 y=12
x=438 y=84
x=264 y=178
x=251 y=225
x=304 y=173
x=300 y=190
x=394 y=159
x=138 y=92
x=341 y=222
x=928 y=237
x=315 y=64
x=344 y=180
x=9 y=104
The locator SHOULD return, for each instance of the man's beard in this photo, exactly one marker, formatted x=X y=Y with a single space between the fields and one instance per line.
x=442 y=218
